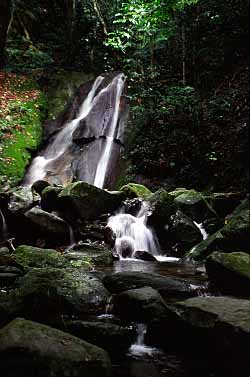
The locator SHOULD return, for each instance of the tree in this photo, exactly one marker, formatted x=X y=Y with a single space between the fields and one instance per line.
x=6 y=8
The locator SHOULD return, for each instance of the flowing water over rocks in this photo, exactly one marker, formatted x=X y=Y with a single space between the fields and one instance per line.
x=88 y=146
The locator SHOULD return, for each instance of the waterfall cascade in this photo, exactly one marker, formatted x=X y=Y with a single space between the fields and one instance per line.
x=201 y=228
x=139 y=347
x=84 y=146
x=132 y=233
x=4 y=230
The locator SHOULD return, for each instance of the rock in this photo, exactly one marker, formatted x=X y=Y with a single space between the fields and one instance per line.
x=48 y=224
x=230 y=272
x=167 y=286
x=235 y=235
x=39 y=186
x=125 y=246
x=95 y=255
x=194 y=204
x=21 y=200
x=109 y=236
x=114 y=338
x=162 y=208
x=35 y=350
x=83 y=200
x=219 y=328
x=7 y=278
x=144 y=255
x=49 y=198
x=140 y=305
x=134 y=190
x=10 y=307
x=184 y=230
x=49 y=293
x=30 y=256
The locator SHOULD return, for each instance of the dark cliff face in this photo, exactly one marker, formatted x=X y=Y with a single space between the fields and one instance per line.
x=80 y=134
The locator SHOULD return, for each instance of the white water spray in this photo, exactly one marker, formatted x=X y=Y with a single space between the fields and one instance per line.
x=4 y=226
x=202 y=230
x=132 y=233
x=139 y=348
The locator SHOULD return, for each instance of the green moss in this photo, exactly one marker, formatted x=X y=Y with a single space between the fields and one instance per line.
x=237 y=262
x=24 y=127
x=29 y=256
x=133 y=190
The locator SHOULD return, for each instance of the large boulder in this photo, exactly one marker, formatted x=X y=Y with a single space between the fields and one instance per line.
x=114 y=338
x=34 y=350
x=21 y=200
x=93 y=254
x=83 y=200
x=134 y=190
x=49 y=197
x=234 y=235
x=140 y=305
x=230 y=272
x=167 y=286
x=194 y=204
x=218 y=328
x=30 y=256
x=48 y=225
x=46 y=294
x=184 y=230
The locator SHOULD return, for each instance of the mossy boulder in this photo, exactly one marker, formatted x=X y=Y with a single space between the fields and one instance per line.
x=230 y=272
x=113 y=337
x=194 y=204
x=184 y=230
x=82 y=200
x=234 y=235
x=134 y=190
x=92 y=254
x=34 y=350
x=21 y=200
x=49 y=198
x=48 y=225
x=47 y=294
x=30 y=256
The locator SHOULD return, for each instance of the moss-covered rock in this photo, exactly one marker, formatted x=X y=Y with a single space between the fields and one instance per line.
x=21 y=200
x=83 y=200
x=49 y=198
x=94 y=255
x=48 y=225
x=35 y=350
x=234 y=235
x=230 y=272
x=184 y=230
x=30 y=256
x=48 y=294
x=194 y=204
x=134 y=190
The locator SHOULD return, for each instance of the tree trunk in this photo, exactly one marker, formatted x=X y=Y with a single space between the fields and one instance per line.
x=183 y=37
x=5 y=20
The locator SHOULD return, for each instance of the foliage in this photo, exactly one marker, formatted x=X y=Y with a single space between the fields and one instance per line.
x=22 y=108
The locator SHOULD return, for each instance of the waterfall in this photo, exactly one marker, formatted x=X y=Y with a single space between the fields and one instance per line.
x=202 y=230
x=97 y=125
x=104 y=160
x=132 y=233
x=139 y=347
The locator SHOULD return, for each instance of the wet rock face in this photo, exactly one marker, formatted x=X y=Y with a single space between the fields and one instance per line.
x=34 y=350
x=140 y=305
x=167 y=286
x=229 y=272
x=218 y=326
x=92 y=255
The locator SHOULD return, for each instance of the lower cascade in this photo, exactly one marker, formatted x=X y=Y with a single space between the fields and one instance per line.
x=132 y=233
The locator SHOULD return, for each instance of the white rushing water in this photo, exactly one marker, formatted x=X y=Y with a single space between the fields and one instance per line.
x=202 y=230
x=132 y=233
x=139 y=348
x=105 y=158
x=41 y=164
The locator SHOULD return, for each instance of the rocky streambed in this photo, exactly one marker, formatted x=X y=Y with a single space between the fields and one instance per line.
x=68 y=307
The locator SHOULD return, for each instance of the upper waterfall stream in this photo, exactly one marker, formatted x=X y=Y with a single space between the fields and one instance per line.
x=85 y=147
